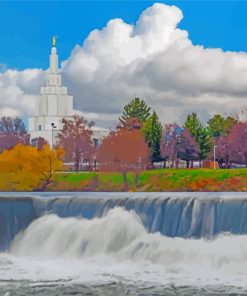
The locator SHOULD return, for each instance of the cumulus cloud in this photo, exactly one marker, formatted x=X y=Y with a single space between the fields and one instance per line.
x=18 y=90
x=152 y=59
x=155 y=60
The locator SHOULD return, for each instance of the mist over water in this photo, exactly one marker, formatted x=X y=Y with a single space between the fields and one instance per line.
x=115 y=254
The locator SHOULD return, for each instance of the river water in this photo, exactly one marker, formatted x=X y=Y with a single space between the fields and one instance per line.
x=123 y=244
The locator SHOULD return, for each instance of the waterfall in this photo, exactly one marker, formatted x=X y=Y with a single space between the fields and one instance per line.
x=15 y=215
x=172 y=215
x=120 y=236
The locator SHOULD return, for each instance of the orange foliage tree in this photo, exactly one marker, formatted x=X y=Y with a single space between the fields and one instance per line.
x=50 y=161
x=28 y=168
x=75 y=138
x=124 y=150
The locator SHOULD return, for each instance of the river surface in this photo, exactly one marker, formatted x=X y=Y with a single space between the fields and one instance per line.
x=123 y=244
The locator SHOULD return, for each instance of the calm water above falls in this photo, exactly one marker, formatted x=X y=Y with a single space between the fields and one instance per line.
x=123 y=244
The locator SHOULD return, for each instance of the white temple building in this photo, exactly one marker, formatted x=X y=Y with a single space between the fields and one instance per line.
x=54 y=104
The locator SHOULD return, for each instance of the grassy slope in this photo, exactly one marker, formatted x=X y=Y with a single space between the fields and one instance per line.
x=156 y=180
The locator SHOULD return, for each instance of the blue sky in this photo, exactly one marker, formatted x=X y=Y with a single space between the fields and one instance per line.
x=178 y=65
x=26 y=27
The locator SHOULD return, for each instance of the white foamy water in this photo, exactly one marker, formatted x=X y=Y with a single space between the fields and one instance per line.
x=117 y=247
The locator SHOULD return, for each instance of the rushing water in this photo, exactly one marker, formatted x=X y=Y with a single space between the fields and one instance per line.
x=123 y=244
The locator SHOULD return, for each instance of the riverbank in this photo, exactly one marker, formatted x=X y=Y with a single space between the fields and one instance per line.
x=154 y=180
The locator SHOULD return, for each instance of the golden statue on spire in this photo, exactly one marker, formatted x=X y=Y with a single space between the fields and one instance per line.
x=54 y=41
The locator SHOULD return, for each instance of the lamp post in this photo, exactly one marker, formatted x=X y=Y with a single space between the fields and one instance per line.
x=215 y=146
x=52 y=128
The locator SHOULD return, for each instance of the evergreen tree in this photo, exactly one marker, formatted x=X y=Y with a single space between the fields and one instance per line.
x=135 y=109
x=204 y=143
x=152 y=130
x=200 y=134
x=138 y=111
x=193 y=125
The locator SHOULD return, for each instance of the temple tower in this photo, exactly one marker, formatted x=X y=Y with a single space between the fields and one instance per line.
x=54 y=104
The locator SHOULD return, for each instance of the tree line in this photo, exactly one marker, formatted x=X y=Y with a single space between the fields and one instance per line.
x=137 y=142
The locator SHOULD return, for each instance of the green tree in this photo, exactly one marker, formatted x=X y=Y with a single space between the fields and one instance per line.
x=204 y=143
x=200 y=134
x=152 y=130
x=135 y=109
x=137 y=114
x=193 y=124
x=220 y=126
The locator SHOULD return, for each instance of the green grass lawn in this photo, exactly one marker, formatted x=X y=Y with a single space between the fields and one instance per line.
x=155 y=180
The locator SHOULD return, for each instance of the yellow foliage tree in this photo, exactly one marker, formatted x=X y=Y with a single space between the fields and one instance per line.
x=25 y=168
x=50 y=161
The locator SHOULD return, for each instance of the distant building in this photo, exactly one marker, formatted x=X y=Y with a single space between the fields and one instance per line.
x=54 y=104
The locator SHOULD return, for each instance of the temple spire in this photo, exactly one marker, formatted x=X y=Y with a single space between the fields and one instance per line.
x=54 y=57
x=54 y=41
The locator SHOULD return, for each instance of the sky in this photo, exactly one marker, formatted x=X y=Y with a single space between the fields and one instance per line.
x=180 y=56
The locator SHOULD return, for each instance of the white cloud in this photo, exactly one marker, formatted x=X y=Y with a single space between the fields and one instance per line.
x=152 y=59
x=18 y=90
x=11 y=112
x=156 y=61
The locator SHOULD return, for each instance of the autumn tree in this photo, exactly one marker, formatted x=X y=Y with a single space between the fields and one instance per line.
x=12 y=132
x=188 y=148
x=28 y=168
x=49 y=161
x=151 y=126
x=170 y=143
x=76 y=139
x=238 y=143
x=124 y=150
x=131 y=123
x=18 y=164
x=224 y=151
